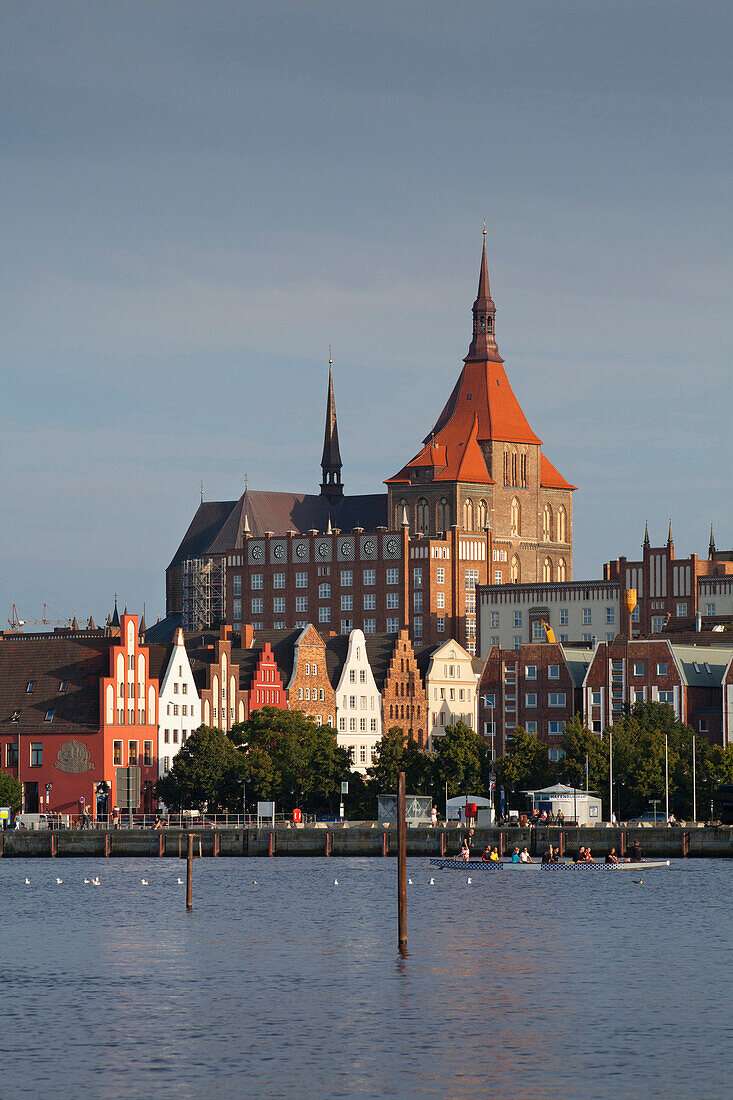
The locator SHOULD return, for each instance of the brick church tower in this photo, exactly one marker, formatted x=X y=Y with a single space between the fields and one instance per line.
x=481 y=469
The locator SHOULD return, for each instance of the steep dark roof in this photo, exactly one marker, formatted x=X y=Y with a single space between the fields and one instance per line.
x=48 y=661
x=336 y=649
x=165 y=630
x=218 y=526
x=203 y=529
x=422 y=657
x=380 y=648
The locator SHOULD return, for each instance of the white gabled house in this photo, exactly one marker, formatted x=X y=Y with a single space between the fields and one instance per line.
x=179 y=708
x=358 y=705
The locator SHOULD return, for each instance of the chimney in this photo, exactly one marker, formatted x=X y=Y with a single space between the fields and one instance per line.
x=248 y=635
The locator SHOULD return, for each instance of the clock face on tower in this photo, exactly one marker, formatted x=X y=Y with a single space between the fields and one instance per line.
x=279 y=552
x=323 y=550
x=300 y=550
x=392 y=546
x=369 y=547
x=257 y=552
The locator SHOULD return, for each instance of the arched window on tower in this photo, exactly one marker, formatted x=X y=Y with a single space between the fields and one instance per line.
x=547 y=523
x=489 y=324
x=561 y=524
x=514 y=468
x=506 y=467
x=468 y=515
x=422 y=515
x=443 y=515
x=482 y=515
x=547 y=571
x=516 y=572
x=523 y=477
x=561 y=573
x=402 y=504
x=516 y=518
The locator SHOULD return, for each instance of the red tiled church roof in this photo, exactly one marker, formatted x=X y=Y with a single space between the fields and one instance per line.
x=550 y=478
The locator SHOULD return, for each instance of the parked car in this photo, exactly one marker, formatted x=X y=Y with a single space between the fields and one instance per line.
x=650 y=819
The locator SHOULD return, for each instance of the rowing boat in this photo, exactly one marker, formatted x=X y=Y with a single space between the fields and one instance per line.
x=567 y=865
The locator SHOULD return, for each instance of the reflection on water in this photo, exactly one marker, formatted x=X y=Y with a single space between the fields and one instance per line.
x=517 y=986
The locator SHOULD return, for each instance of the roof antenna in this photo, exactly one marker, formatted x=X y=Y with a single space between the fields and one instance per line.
x=202 y=490
x=246 y=479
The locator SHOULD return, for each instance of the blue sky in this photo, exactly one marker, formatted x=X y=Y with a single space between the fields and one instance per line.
x=198 y=198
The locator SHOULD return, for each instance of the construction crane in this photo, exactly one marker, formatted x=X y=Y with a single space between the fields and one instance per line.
x=17 y=624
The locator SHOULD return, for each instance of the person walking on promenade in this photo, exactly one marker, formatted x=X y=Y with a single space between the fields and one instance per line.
x=434 y=816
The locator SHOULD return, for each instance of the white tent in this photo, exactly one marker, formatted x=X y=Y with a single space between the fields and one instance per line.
x=576 y=805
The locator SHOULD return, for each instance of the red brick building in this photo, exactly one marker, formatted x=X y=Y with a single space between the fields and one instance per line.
x=404 y=703
x=223 y=703
x=75 y=708
x=538 y=687
x=479 y=503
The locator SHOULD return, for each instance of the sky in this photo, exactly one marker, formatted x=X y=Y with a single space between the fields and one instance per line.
x=198 y=198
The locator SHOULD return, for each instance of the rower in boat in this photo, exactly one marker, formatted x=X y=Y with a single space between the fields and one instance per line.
x=486 y=854
x=515 y=856
x=494 y=857
x=550 y=856
x=612 y=857
x=525 y=857
x=465 y=850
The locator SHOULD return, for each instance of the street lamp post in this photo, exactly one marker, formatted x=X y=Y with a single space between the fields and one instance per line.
x=610 y=773
x=666 y=780
x=694 y=783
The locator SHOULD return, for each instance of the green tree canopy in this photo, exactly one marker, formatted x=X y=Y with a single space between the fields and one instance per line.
x=291 y=759
x=395 y=755
x=525 y=766
x=578 y=742
x=11 y=792
x=461 y=759
x=206 y=773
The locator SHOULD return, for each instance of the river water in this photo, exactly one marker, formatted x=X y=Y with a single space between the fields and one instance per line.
x=520 y=985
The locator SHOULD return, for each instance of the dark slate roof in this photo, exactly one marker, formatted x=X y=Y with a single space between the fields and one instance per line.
x=422 y=656
x=337 y=647
x=204 y=527
x=217 y=526
x=48 y=661
x=165 y=630
x=380 y=648
x=159 y=654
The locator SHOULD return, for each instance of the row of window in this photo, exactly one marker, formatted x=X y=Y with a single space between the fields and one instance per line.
x=61 y=690
x=369 y=577
x=363 y=754
x=132 y=754
x=362 y=722
x=301 y=604
x=350 y=702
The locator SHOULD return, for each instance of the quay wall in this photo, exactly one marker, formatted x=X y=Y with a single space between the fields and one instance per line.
x=363 y=839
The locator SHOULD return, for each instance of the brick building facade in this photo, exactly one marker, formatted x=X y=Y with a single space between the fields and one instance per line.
x=403 y=693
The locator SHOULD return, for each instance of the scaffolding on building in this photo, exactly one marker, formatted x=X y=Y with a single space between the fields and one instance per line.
x=204 y=593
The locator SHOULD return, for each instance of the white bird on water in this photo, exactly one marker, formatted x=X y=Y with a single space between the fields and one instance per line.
x=409 y=882
x=87 y=881
x=144 y=882
x=59 y=881
x=335 y=882
x=180 y=882
x=638 y=881
x=96 y=882
x=254 y=881
x=432 y=882
x=468 y=881
x=27 y=882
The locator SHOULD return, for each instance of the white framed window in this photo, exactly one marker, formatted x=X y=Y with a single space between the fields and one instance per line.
x=237 y=610
x=278 y=580
x=301 y=603
x=517 y=641
x=324 y=614
x=347 y=578
x=301 y=580
x=393 y=626
x=256 y=581
x=553 y=672
x=587 y=620
x=530 y=699
x=681 y=610
x=237 y=584
x=531 y=727
x=417 y=601
x=538 y=631
x=666 y=697
x=657 y=624
x=710 y=609
x=610 y=615
x=370 y=626
x=417 y=626
x=556 y=699
x=517 y=619
x=258 y=605
x=555 y=729
x=495 y=620
x=417 y=577
x=440 y=575
x=347 y=625
x=497 y=576
x=370 y=601
x=393 y=600
x=370 y=576
x=440 y=624
x=638 y=668
x=324 y=591
x=278 y=605
x=393 y=576
x=661 y=668
x=563 y=616
x=588 y=638
x=347 y=603
x=530 y=672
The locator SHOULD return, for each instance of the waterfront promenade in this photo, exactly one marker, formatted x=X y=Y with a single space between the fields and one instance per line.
x=362 y=839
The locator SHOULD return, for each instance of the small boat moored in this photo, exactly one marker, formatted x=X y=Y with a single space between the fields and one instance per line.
x=567 y=865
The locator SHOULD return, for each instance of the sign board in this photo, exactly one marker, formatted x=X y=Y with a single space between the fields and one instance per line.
x=344 y=788
x=417 y=808
x=266 y=809
x=492 y=783
x=128 y=787
x=4 y=813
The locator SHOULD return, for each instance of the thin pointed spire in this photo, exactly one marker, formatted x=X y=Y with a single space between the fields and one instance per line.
x=329 y=528
x=245 y=528
x=90 y=623
x=711 y=544
x=646 y=535
x=670 y=540
x=483 y=345
x=115 y=621
x=331 y=486
x=74 y=624
x=142 y=627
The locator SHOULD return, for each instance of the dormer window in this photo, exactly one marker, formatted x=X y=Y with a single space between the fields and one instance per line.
x=49 y=715
x=63 y=686
x=30 y=687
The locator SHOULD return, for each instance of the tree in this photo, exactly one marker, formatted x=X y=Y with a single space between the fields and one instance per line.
x=206 y=773
x=11 y=792
x=395 y=755
x=638 y=759
x=578 y=742
x=461 y=759
x=291 y=759
x=526 y=766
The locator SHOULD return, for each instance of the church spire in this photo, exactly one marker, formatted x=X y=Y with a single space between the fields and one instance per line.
x=711 y=544
x=483 y=345
x=331 y=486
x=646 y=535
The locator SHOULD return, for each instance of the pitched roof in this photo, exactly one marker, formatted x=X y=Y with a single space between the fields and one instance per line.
x=47 y=662
x=578 y=661
x=714 y=658
x=203 y=529
x=550 y=478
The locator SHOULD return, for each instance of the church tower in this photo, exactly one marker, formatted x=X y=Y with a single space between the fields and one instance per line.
x=482 y=468
x=331 y=487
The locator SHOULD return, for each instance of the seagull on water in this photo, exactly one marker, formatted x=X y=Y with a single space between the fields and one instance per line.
x=468 y=881
x=59 y=881
x=96 y=882
x=432 y=882
x=180 y=882
x=254 y=881
x=144 y=882
x=409 y=882
x=638 y=881
x=335 y=882
x=87 y=881
x=27 y=882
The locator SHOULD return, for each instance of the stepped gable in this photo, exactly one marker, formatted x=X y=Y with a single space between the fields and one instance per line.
x=47 y=662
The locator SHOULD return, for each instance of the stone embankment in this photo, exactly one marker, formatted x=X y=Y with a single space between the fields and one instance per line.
x=364 y=839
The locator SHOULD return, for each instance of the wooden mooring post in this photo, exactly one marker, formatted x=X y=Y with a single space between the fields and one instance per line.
x=189 y=873
x=401 y=864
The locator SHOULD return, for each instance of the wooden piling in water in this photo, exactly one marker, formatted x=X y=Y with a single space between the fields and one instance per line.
x=53 y=845
x=401 y=863
x=271 y=845
x=160 y=844
x=189 y=873
x=385 y=843
x=442 y=842
x=106 y=845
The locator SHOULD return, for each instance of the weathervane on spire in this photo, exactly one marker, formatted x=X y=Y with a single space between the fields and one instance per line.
x=202 y=490
x=330 y=360
x=484 y=227
x=246 y=481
